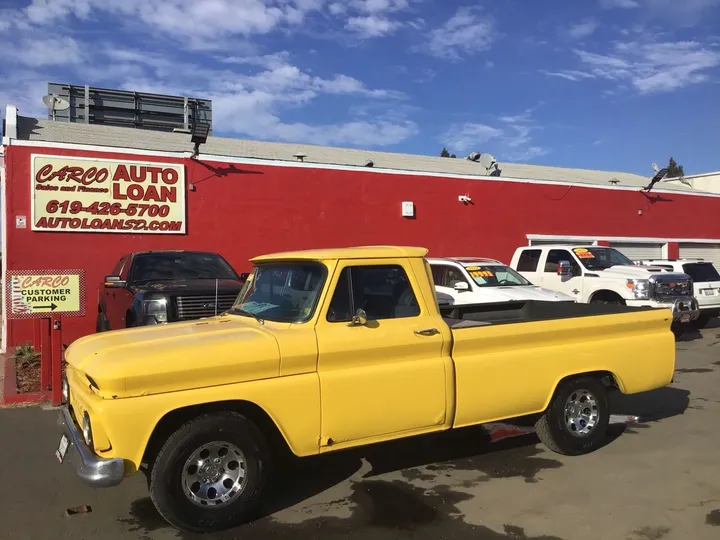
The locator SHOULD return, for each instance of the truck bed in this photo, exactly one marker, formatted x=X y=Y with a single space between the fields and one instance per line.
x=474 y=315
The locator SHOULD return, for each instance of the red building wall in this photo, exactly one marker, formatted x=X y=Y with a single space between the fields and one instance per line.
x=245 y=210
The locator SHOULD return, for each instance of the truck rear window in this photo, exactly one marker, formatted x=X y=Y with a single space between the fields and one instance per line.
x=701 y=271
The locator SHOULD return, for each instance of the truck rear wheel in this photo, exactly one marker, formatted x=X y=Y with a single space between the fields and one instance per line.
x=210 y=473
x=701 y=322
x=576 y=421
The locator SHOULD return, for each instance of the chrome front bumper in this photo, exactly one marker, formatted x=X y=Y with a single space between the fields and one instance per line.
x=685 y=309
x=91 y=469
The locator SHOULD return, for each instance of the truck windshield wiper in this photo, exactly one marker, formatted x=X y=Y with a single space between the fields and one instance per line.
x=141 y=281
x=240 y=311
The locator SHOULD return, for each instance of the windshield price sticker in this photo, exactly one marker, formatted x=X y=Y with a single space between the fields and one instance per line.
x=583 y=253
x=471 y=268
x=482 y=273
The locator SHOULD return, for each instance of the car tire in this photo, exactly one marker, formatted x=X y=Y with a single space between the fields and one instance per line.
x=701 y=322
x=609 y=302
x=179 y=487
x=566 y=427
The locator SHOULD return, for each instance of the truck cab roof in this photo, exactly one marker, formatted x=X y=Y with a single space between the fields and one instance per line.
x=464 y=261
x=358 y=252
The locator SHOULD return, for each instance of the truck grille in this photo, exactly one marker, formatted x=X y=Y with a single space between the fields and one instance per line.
x=667 y=289
x=194 y=307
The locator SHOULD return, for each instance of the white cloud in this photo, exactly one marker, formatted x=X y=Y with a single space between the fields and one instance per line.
x=371 y=25
x=467 y=32
x=251 y=90
x=511 y=139
x=680 y=12
x=625 y=4
x=582 y=30
x=648 y=67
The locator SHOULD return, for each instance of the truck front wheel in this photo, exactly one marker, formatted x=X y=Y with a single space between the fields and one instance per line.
x=577 y=419
x=210 y=473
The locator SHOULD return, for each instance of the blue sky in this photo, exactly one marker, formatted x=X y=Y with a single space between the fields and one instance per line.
x=600 y=84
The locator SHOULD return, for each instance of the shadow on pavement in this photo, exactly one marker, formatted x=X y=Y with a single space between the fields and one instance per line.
x=651 y=406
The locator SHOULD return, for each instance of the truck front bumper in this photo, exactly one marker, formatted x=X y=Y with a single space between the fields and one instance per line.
x=90 y=468
x=684 y=310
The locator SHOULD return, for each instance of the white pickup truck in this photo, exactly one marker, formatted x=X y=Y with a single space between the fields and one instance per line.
x=474 y=280
x=706 y=284
x=597 y=274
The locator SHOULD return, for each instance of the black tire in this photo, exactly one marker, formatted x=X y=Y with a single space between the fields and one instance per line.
x=101 y=325
x=553 y=430
x=701 y=322
x=166 y=485
x=608 y=301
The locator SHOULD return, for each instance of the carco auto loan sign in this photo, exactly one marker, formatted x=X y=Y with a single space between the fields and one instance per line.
x=73 y=194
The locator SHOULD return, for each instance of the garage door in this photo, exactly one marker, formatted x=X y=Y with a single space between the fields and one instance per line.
x=709 y=252
x=636 y=251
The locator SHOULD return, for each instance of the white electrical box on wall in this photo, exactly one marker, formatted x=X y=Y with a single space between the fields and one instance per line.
x=408 y=209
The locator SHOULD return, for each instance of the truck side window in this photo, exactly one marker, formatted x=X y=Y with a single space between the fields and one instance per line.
x=383 y=292
x=447 y=276
x=529 y=260
x=557 y=255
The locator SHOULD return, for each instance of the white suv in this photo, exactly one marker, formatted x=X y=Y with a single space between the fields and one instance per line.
x=706 y=283
x=472 y=280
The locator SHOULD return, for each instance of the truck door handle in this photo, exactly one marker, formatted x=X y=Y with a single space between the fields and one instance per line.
x=427 y=332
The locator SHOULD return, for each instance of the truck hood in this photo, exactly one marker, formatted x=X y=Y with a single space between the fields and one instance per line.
x=510 y=293
x=177 y=356
x=628 y=271
x=190 y=286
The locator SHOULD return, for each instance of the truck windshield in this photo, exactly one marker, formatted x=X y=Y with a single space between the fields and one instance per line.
x=180 y=266
x=495 y=275
x=700 y=272
x=600 y=258
x=281 y=292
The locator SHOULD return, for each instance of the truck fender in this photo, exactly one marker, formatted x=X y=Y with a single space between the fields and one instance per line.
x=172 y=420
x=608 y=378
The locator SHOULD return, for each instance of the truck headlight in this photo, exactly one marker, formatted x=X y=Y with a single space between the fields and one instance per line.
x=65 y=387
x=87 y=430
x=156 y=309
x=641 y=288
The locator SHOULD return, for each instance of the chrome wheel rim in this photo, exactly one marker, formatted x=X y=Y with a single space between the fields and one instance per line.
x=214 y=474
x=581 y=412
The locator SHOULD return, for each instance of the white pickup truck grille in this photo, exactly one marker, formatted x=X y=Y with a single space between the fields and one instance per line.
x=195 y=307
x=667 y=289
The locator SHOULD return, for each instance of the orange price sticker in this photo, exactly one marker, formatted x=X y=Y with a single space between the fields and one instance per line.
x=583 y=253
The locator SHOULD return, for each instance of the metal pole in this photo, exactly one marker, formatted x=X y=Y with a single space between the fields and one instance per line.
x=57 y=352
x=45 y=354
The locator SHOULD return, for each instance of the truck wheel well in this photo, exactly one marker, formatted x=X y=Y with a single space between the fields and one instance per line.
x=606 y=296
x=169 y=423
x=606 y=377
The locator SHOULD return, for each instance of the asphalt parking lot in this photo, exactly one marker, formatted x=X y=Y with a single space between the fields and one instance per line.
x=658 y=478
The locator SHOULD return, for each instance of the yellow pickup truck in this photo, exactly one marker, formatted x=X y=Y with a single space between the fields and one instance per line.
x=330 y=349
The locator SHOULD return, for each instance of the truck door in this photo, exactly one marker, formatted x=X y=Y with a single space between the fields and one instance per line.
x=571 y=285
x=384 y=376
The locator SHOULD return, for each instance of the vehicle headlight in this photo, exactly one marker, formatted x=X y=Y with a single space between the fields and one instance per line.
x=157 y=309
x=87 y=430
x=641 y=288
x=65 y=387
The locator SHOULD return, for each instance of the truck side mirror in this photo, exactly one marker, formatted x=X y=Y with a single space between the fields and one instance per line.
x=114 y=282
x=360 y=318
x=461 y=286
x=564 y=269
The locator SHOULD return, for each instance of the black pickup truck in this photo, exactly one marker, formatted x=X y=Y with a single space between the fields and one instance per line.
x=155 y=287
